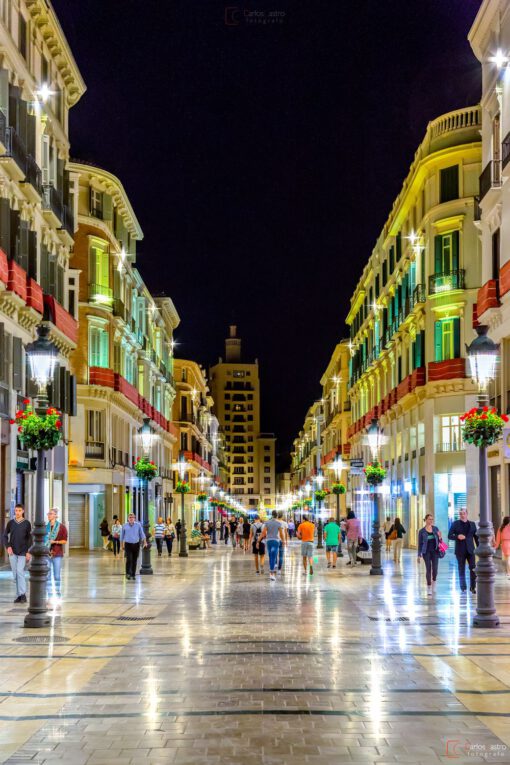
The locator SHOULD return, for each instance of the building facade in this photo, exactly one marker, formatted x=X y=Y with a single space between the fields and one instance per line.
x=123 y=364
x=39 y=83
x=411 y=316
x=250 y=454
x=490 y=40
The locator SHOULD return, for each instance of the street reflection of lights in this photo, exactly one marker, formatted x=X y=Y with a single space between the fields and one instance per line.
x=152 y=695
x=186 y=644
x=375 y=693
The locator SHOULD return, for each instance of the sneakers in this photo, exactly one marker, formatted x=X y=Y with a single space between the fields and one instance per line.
x=333 y=566
x=272 y=577
x=329 y=565
x=257 y=571
x=262 y=570
x=429 y=590
x=21 y=599
x=472 y=590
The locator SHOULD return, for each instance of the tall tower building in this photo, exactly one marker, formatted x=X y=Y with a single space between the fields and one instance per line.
x=250 y=454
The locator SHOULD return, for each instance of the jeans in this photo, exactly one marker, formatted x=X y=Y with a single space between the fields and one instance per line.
x=352 y=547
x=272 y=550
x=461 y=563
x=55 y=568
x=116 y=545
x=169 y=544
x=281 y=555
x=234 y=535
x=18 y=573
x=132 y=550
x=225 y=537
x=431 y=563
x=159 y=544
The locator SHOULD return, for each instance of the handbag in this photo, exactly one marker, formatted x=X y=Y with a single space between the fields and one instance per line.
x=393 y=535
x=441 y=549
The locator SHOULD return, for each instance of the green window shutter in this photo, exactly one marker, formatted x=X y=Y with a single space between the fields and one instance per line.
x=52 y=275
x=438 y=344
x=32 y=254
x=23 y=245
x=93 y=346
x=104 y=349
x=413 y=356
x=17 y=364
x=44 y=262
x=107 y=207
x=5 y=227
x=60 y=284
x=449 y=183
x=93 y=266
x=455 y=251
x=456 y=338
x=4 y=93
x=399 y=246
x=392 y=259
x=422 y=348
x=31 y=126
x=438 y=254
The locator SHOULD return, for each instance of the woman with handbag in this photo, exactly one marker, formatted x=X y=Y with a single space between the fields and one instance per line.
x=169 y=534
x=430 y=548
x=503 y=541
x=397 y=532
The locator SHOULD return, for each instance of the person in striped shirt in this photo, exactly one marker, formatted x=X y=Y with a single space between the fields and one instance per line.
x=159 y=535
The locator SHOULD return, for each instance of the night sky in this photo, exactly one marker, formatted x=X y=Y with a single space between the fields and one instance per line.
x=262 y=159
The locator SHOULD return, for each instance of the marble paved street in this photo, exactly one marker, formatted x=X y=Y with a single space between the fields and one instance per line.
x=206 y=663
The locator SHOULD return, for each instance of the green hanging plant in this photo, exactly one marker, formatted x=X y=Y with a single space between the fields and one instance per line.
x=338 y=488
x=374 y=473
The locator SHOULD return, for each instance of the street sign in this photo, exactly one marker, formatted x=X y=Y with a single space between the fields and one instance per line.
x=357 y=463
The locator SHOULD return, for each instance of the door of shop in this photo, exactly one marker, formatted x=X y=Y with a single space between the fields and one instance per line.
x=77 y=515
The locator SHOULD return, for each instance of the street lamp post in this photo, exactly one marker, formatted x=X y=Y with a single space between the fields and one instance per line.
x=319 y=480
x=214 y=489
x=483 y=355
x=147 y=437
x=374 y=442
x=42 y=357
x=338 y=466
x=181 y=467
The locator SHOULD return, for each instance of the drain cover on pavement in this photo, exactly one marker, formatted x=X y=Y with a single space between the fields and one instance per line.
x=388 y=619
x=45 y=639
x=134 y=618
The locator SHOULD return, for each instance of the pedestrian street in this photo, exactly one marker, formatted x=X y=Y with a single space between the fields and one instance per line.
x=204 y=662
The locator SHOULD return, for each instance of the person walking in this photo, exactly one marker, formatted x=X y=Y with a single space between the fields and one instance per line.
x=463 y=532
x=169 y=534
x=291 y=528
x=131 y=536
x=226 y=531
x=239 y=533
x=283 y=543
x=387 y=528
x=56 y=538
x=258 y=547
x=353 y=536
x=105 y=533
x=332 y=537
x=503 y=541
x=305 y=532
x=18 y=541
x=233 y=531
x=159 y=535
x=116 y=529
x=246 y=534
x=272 y=533
x=428 y=549
x=178 y=525
x=397 y=532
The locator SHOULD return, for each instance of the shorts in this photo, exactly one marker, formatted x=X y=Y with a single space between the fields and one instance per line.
x=260 y=550
x=332 y=548
x=307 y=549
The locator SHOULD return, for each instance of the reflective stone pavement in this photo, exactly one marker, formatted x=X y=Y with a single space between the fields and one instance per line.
x=206 y=663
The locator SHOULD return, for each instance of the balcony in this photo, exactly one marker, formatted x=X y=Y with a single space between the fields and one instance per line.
x=16 y=150
x=68 y=222
x=33 y=177
x=448 y=447
x=490 y=177
x=94 y=450
x=446 y=282
x=99 y=293
x=119 y=309
x=52 y=204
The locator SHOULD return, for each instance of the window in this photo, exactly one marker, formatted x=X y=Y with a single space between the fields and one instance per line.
x=450 y=436
x=267 y=448
x=446 y=252
x=267 y=470
x=447 y=339
x=449 y=183
x=96 y=203
x=267 y=479
x=238 y=373
x=227 y=407
x=23 y=37
x=98 y=347
x=45 y=70
x=267 y=459
x=267 y=491
x=95 y=425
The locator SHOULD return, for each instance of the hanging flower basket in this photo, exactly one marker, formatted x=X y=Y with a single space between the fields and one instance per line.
x=482 y=427
x=374 y=473
x=202 y=497
x=338 y=488
x=38 y=431
x=182 y=487
x=144 y=468
x=307 y=503
x=321 y=494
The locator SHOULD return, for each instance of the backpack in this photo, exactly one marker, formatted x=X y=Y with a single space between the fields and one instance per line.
x=257 y=531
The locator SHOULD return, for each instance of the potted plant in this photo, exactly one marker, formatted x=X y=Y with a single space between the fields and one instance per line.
x=374 y=473
x=321 y=494
x=482 y=426
x=182 y=487
x=338 y=488
x=202 y=497
x=38 y=431
x=145 y=468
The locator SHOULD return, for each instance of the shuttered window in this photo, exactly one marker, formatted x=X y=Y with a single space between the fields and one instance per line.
x=98 y=347
x=447 y=339
x=446 y=252
x=449 y=183
x=95 y=425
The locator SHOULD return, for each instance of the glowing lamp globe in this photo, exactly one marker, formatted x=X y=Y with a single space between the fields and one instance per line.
x=42 y=357
x=483 y=356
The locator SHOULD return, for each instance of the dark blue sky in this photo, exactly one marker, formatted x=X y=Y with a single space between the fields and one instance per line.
x=262 y=159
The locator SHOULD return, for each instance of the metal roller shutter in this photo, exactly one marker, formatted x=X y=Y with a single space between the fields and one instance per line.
x=77 y=508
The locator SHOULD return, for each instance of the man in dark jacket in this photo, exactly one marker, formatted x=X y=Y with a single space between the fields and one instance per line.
x=18 y=541
x=464 y=534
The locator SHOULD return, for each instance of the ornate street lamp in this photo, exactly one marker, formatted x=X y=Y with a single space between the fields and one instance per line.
x=181 y=467
x=374 y=439
x=42 y=357
x=147 y=438
x=338 y=467
x=213 y=490
x=483 y=356
x=319 y=480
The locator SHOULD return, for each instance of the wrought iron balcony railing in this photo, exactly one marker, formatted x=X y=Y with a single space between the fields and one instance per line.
x=490 y=177
x=447 y=281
